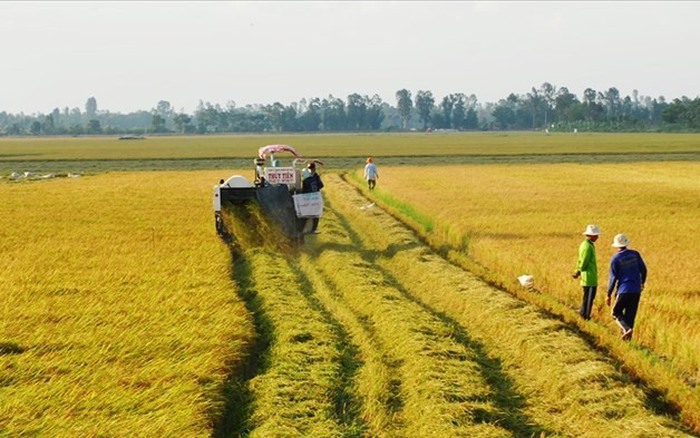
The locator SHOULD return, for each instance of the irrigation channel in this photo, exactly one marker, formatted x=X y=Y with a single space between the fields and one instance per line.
x=366 y=331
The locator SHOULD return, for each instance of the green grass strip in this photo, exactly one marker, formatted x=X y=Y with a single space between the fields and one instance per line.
x=406 y=210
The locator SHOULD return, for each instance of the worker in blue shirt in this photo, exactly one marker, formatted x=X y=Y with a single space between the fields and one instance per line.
x=628 y=273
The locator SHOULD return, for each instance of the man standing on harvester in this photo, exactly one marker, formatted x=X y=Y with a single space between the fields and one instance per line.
x=312 y=183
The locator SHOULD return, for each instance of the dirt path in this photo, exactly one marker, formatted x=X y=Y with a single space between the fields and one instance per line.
x=367 y=332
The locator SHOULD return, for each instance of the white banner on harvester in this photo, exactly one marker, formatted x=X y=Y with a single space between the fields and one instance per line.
x=280 y=175
x=308 y=204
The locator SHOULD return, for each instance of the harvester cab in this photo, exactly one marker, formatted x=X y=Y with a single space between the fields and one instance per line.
x=277 y=190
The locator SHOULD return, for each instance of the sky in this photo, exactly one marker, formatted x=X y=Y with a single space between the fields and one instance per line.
x=130 y=55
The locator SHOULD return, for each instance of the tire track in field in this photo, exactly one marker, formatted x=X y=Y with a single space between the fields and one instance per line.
x=376 y=381
x=509 y=405
x=568 y=387
x=444 y=389
x=347 y=406
x=237 y=394
x=296 y=377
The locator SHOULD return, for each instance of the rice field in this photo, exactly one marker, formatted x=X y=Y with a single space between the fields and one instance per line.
x=506 y=221
x=343 y=145
x=119 y=313
x=124 y=313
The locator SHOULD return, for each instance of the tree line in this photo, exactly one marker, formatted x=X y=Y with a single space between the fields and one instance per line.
x=544 y=107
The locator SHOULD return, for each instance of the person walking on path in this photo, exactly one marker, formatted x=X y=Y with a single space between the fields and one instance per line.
x=629 y=273
x=311 y=184
x=587 y=270
x=371 y=173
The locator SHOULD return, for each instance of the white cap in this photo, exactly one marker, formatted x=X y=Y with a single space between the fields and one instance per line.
x=592 y=230
x=620 y=241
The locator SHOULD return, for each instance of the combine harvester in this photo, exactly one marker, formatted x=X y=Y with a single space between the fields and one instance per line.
x=272 y=202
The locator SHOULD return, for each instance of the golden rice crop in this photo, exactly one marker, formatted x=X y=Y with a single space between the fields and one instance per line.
x=119 y=314
x=544 y=377
x=527 y=219
x=342 y=145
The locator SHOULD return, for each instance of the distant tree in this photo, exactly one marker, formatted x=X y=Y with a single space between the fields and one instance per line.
x=181 y=120
x=589 y=95
x=274 y=112
x=611 y=99
x=356 y=111
x=311 y=116
x=563 y=104
x=48 y=125
x=165 y=110
x=375 y=114
x=35 y=128
x=391 y=120
x=158 y=124
x=459 y=111
x=694 y=113
x=683 y=112
x=533 y=103
x=56 y=115
x=14 y=129
x=405 y=106
x=547 y=92
x=594 y=110
x=76 y=129
x=91 y=107
x=626 y=108
x=658 y=106
x=447 y=106
x=576 y=112
x=334 y=116
x=208 y=117
x=94 y=127
x=289 y=118
x=504 y=112
x=639 y=107
x=675 y=111
x=471 y=120
x=512 y=113
x=425 y=102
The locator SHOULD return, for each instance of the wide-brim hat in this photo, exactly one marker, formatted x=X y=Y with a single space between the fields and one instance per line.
x=592 y=230
x=620 y=241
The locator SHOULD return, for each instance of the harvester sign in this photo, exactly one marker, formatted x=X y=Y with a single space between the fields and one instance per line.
x=308 y=204
x=280 y=175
